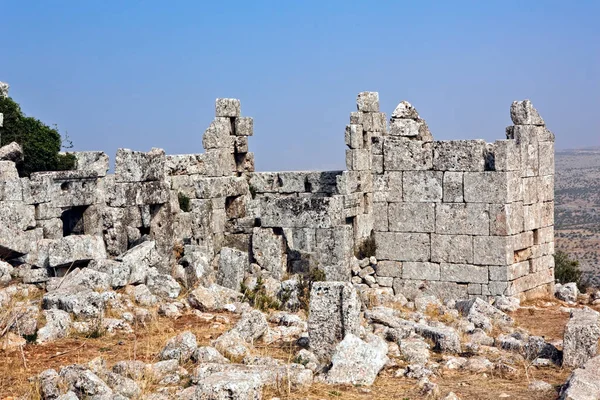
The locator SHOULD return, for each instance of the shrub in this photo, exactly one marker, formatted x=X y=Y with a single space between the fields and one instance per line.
x=258 y=297
x=184 y=202
x=367 y=248
x=566 y=269
x=41 y=144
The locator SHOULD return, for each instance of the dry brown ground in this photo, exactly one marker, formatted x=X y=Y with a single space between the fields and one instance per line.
x=540 y=318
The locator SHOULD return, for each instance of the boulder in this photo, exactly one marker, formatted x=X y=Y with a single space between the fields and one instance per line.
x=580 y=342
x=116 y=270
x=482 y=313
x=163 y=285
x=74 y=249
x=212 y=298
x=229 y=385
x=84 y=382
x=6 y=271
x=57 y=326
x=507 y=304
x=139 y=260
x=523 y=113
x=208 y=354
x=334 y=313
x=446 y=339
x=357 y=362
x=251 y=326
x=11 y=152
x=567 y=292
x=414 y=350
x=180 y=347
x=80 y=279
x=83 y=304
x=232 y=345
x=583 y=383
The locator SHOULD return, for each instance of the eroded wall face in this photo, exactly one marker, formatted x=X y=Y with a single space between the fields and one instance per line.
x=457 y=218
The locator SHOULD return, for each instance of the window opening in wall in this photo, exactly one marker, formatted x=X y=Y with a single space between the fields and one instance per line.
x=72 y=220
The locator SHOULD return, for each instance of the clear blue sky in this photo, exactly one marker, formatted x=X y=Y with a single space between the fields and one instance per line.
x=142 y=74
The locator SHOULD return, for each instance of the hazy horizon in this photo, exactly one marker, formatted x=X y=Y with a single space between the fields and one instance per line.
x=146 y=74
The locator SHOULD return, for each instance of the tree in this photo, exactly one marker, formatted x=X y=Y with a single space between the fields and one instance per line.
x=41 y=144
x=566 y=269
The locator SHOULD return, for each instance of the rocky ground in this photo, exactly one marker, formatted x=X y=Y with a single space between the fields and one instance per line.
x=82 y=337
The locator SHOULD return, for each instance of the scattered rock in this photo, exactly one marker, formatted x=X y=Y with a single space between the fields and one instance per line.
x=357 y=362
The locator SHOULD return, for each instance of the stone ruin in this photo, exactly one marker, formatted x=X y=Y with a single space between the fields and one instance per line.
x=457 y=219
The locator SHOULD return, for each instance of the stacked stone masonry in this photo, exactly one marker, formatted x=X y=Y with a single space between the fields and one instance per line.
x=462 y=218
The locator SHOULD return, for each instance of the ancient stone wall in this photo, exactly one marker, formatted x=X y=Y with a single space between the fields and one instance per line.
x=462 y=218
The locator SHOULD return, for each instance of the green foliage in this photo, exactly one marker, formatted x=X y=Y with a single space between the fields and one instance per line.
x=41 y=143
x=258 y=297
x=184 y=202
x=367 y=248
x=566 y=269
x=66 y=162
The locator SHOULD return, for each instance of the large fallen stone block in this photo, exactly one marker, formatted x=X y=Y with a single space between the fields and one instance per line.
x=446 y=339
x=334 y=313
x=357 y=362
x=232 y=265
x=76 y=249
x=482 y=314
x=580 y=342
x=212 y=298
x=16 y=243
x=229 y=385
x=16 y=215
x=139 y=260
x=583 y=383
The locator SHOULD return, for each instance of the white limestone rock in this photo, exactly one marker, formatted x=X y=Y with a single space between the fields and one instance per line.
x=57 y=326
x=180 y=347
x=232 y=264
x=523 y=113
x=567 y=292
x=580 y=342
x=11 y=152
x=73 y=249
x=213 y=298
x=583 y=383
x=357 y=362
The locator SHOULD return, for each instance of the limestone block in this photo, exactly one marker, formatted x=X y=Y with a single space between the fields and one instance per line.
x=546 y=188
x=323 y=182
x=412 y=217
x=8 y=171
x=380 y=215
x=398 y=246
x=421 y=270
x=77 y=248
x=16 y=215
x=547 y=214
x=96 y=161
x=546 y=158
x=354 y=181
x=506 y=219
x=531 y=281
x=218 y=135
x=465 y=273
x=52 y=228
x=11 y=190
x=401 y=154
x=240 y=144
x=583 y=382
x=521 y=241
x=540 y=263
x=301 y=212
x=334 y=313
x=137 y=166
x=412 y=288
x=462 y=219
x=543 y=235
x=453 y=187
x=219 y=162
x=15 y=242
x=268 y=249
x=354 y=136
x=492 y=187
x=368 y=102
x=422 y=186
x=358 y=160
x=363 y=226
x=230 y=186
x=532 y=216
x=291 y=182
x=11 y=152
x=379 y=122
x=492 y=250
x=357 y=362
x=523 y=113
x=354 y=204
x=138 y=193
x=405 y=127
x=227 y=108
x=264 y=182
x=581 y=337
x=459 y=155
x=394 y=186
x=232 y=264
x=530 y=190
x=185 y=164
x=334 y=251
x=509 y=272
x=389 y=269
x=244 y=126
x=452 y=248
x=507 y=155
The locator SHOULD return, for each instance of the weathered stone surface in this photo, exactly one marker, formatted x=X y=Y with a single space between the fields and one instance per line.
x=334 y=313
x=452 y=248
x=57 y=326
x=482 y=314
x=83 y=381
x=117 y=271
x=77 y=248
x=492 y=187
x=462 y=219
x=421 y=270
x=11 y=152
x=213 y=298
x=583 y=383
x=453 y=187
x=227 y=107
x=229 y=385
x=268 y=250
x=135 y=166
x=218 y=135
x=17 y=215
x=459 y=155
x=357 y=362
x=180 y=347
x=96 y=161
x=301 y=212
x=464 y=273
x=567 y=292
x=251 y=326
x=368 y=102
x=139 y=260
x=398 y=246
x=163 y=285
x=412 y=217
x=523 y=113
x=422 y=186
x=580 y=342
x=446 y=339
x=232 y=264
x=402 y=154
